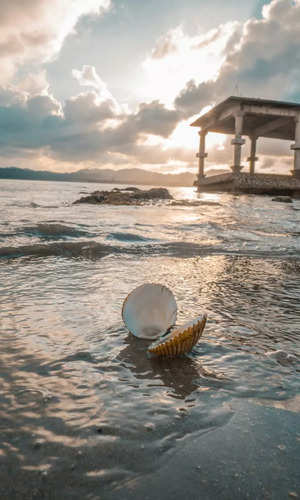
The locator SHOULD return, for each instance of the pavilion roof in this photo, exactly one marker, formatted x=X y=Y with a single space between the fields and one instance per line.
x=262 y=117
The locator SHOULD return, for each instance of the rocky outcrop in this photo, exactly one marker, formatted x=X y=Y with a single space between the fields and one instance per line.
x=126 y=196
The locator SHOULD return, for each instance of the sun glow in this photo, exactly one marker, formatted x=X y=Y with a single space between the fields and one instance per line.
x=178 y=58
x=184 y=137
x=187 y=137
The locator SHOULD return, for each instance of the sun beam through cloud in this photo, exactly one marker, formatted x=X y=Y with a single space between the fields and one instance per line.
x=178 y=56
x=92 y=119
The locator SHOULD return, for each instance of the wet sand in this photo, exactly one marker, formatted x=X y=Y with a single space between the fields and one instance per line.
x=253 y=454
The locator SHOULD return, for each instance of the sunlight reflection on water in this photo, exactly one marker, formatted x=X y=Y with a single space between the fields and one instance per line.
x=74 y=380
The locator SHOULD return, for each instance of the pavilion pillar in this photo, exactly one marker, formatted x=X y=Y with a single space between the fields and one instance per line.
x=252 y=158
x=237 y=142
x=296 y=148
x=201 y=155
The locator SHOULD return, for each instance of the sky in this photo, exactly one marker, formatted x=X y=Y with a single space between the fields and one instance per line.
x=116 y=83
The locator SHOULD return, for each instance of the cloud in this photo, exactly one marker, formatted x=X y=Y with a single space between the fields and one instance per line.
x=88 y=77
x=36 y=29
x=155 y=118
x=195 y=97
x=212 y=36
x=43 y=106
x=275 y=164
x=87 y=127
x=34 y=83
x=92 y=128
x=86 y=108
x=267 y=163
x=262 y=59
x=167 y=44
x=28 y=123
x=177 y=57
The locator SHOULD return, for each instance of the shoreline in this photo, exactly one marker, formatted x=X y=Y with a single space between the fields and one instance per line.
x=251 y=451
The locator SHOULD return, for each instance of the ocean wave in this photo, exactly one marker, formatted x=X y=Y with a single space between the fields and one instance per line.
x=54 y=231
x=95 y=250
x=128 y=237
x=194 y=226
x=185 y=249
x=37 y=205
x=83 y=249
x=31 y=204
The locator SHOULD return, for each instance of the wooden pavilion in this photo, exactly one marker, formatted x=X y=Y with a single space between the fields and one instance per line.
x=243 y=116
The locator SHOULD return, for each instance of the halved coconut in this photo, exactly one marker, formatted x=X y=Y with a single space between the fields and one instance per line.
x=179 y=341
x=149 y=311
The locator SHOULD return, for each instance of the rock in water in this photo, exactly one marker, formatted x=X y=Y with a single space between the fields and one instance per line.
x=127 y=196
x=157 y=193
x=283 y=199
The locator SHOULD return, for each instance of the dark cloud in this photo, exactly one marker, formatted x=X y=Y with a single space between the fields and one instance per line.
x=194 y=97
x=81 y=129
x=154 y=118
x=43 y=106
x=85 y=108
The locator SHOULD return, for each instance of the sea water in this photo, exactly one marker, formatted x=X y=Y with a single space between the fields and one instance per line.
x=84 y=412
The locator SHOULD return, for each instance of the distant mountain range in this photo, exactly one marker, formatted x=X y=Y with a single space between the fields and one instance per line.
x=124 y=176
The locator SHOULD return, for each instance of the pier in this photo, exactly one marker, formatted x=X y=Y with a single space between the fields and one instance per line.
x=241 y=116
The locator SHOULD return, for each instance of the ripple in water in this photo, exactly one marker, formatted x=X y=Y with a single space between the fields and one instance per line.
x=85 y=413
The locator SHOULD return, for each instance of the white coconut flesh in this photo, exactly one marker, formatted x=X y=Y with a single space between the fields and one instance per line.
x=149 y=311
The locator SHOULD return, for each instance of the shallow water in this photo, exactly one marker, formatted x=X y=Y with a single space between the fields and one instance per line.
x=85 y=413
